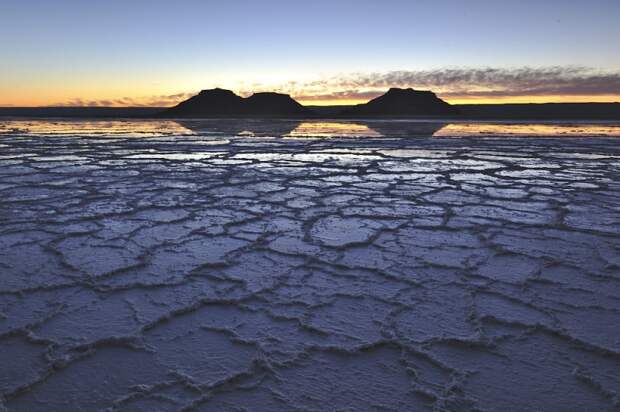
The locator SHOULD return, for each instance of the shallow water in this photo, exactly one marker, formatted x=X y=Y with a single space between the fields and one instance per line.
x=307 y=129
x=279 y=265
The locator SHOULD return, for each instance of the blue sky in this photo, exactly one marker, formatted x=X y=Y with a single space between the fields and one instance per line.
x=62 y=51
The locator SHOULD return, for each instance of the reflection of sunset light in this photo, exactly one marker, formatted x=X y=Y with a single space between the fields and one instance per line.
x=111 y=128
x=331 y=129
x=143 y=99
x=246 y=133
x=532 y=130
x=309 y=129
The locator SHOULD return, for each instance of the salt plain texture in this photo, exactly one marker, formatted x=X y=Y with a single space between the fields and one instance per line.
x=315 y=266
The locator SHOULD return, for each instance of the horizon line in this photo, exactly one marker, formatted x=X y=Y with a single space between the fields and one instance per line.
x=344 y=102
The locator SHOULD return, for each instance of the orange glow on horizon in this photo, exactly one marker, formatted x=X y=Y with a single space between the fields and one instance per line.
x=335 y=102
x=157 y=101
x=534 y=99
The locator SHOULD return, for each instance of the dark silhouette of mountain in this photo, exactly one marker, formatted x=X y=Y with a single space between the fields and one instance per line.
x=403 y=102
x=274 y=103
x=213 y=102
x=225 y=103
x=395 y=103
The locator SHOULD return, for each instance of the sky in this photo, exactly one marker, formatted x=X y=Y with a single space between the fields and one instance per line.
x=156 y=53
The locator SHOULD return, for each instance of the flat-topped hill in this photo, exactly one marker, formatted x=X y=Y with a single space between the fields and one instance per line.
x=220 y=102
x=403 y=102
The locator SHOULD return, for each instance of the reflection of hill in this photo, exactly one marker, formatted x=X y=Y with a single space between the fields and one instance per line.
x=312 y=128
x=365 y=129
x=403 y=128
x=240 y=127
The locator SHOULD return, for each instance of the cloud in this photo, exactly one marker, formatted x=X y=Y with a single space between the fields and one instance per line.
x=149 y=101
x=338 y=95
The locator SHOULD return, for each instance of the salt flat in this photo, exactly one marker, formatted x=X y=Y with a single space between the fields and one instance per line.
x=311 y=266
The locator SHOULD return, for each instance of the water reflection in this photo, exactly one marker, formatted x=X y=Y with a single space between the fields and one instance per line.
x=395 y=128
x=294 y=129
x=240 y=127
x=312 y=129
x=331 y=129
x=94 y=128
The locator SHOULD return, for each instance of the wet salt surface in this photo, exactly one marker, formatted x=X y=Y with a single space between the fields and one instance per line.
x=219 y=266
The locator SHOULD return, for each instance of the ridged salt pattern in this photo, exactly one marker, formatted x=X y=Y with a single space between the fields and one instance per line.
x=268 y=266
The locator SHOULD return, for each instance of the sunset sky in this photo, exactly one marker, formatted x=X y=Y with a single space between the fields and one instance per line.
x=129 y=53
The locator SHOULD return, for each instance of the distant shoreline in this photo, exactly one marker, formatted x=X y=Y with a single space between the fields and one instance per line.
x=516 y=111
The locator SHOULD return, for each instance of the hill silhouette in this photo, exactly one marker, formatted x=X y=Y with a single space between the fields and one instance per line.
x=403 y=102
x=225 y=103
x=214 y=102
x=270 y=103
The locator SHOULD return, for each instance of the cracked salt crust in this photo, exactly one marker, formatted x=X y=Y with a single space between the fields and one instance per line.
x=143 y=269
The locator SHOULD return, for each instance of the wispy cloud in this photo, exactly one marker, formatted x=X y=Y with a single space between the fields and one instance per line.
x=450 y=83
x=149 y=101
